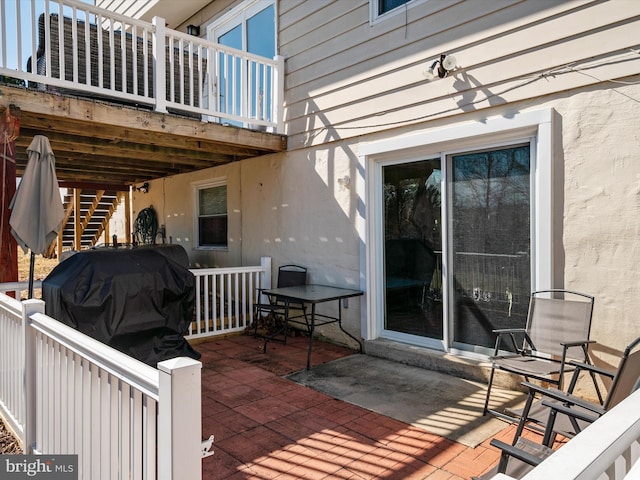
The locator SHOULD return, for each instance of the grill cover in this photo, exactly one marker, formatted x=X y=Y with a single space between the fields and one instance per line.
x=139 y=301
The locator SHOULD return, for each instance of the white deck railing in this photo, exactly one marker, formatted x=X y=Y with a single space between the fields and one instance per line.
x=225 y=298
x=606 y=450
x=68 y=46
x=62 y=392
x=20 y=290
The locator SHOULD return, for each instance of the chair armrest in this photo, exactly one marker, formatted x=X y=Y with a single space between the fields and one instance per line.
x=545 y=391
x=592 y=368
x=565 y=398
x=501 y=331
x=511 y=333
x=577 y=343
x=572 y=412
x=515 y=452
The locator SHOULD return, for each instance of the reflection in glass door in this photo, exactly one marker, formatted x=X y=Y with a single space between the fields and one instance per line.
x=490 y=241
x=413 y=249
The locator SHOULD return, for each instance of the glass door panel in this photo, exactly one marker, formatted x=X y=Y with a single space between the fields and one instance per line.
x=490 y=242
x=254 y=32
x=413 y=249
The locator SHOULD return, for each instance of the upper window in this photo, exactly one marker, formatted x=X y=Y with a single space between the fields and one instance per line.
x=212 y=226
x=249 y=27
x=380 y=9
x=385 y=6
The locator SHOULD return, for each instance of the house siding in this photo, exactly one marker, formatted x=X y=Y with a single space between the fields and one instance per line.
x=578 y=58
x=371 y=76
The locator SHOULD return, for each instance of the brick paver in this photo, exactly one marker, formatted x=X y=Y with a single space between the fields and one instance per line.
x=267 y=427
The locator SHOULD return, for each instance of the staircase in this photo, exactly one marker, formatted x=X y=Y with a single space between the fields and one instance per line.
x=96 y=208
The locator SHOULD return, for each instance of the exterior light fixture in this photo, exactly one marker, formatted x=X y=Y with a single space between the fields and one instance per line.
x=441 y=67
x=193 y=30
x=144 y=188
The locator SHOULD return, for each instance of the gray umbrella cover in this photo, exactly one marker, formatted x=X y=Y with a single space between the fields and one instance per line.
x=36 y=209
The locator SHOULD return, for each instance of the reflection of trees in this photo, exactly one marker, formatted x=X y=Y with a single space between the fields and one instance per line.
x=491 y=201
x=412 y=202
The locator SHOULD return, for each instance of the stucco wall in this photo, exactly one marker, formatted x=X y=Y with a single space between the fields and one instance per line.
x=296 y=208
x=601 y=227
x=343 y=73
x=174 y=202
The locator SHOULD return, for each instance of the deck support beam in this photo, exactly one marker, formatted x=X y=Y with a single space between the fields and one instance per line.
x=9 y=131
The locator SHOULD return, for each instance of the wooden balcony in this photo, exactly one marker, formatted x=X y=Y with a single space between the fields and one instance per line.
x=124 y=101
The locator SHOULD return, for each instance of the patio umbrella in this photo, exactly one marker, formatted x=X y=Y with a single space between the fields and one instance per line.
x=36 y=209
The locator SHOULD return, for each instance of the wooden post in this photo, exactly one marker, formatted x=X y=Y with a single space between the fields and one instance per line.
x=77 y=220
x=127 y=217
x=9 y=131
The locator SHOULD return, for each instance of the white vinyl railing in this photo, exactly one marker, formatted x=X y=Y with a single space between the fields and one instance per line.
x=11 y=363
x=20 y=290
x=67 y=46
x=225 y=298
x=62 y=392
x=606 y=450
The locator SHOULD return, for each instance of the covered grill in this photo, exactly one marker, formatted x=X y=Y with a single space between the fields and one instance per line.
x=138 y=300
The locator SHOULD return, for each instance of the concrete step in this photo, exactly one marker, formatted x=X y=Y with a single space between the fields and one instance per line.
x=458 y=366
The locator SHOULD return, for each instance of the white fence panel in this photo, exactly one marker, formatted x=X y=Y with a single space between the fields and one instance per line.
x=12 y=363
x=20 y=290
x=224 y=300
x=66 y=393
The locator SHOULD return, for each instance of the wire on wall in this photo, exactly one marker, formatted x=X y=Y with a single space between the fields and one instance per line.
x=527 y=80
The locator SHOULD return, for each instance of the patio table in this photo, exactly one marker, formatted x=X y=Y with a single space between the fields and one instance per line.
x=313 y=295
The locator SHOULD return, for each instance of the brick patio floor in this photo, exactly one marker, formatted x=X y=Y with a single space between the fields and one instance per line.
x=267 y=427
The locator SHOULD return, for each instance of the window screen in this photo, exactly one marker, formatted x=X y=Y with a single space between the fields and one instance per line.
x=212 y=216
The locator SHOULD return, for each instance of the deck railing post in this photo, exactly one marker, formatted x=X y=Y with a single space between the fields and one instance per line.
x=29 y=307
x=278 y=94
x=179 y=420
x=265 y=277
x=159 y=64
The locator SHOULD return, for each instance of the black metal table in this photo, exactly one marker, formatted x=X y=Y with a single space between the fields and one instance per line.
x=312 y=295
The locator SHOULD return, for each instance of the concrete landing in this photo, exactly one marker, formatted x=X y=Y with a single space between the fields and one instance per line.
x=447 y=406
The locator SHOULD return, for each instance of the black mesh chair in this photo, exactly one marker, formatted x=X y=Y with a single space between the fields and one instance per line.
x=273 y=314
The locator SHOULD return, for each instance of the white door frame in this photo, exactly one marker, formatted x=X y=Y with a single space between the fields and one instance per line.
x=535 y=126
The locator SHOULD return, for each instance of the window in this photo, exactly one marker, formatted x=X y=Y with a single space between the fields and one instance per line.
x=212 y=226
x=387 y=8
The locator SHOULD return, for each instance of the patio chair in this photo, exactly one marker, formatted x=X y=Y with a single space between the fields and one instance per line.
x=567 y=414
x=564 y=414
x=557 y=331
x=517 y=460
x=275 y=309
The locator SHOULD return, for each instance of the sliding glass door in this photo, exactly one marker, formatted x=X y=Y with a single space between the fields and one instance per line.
x=484 y=247
x=413 y=248
x=490 y=239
